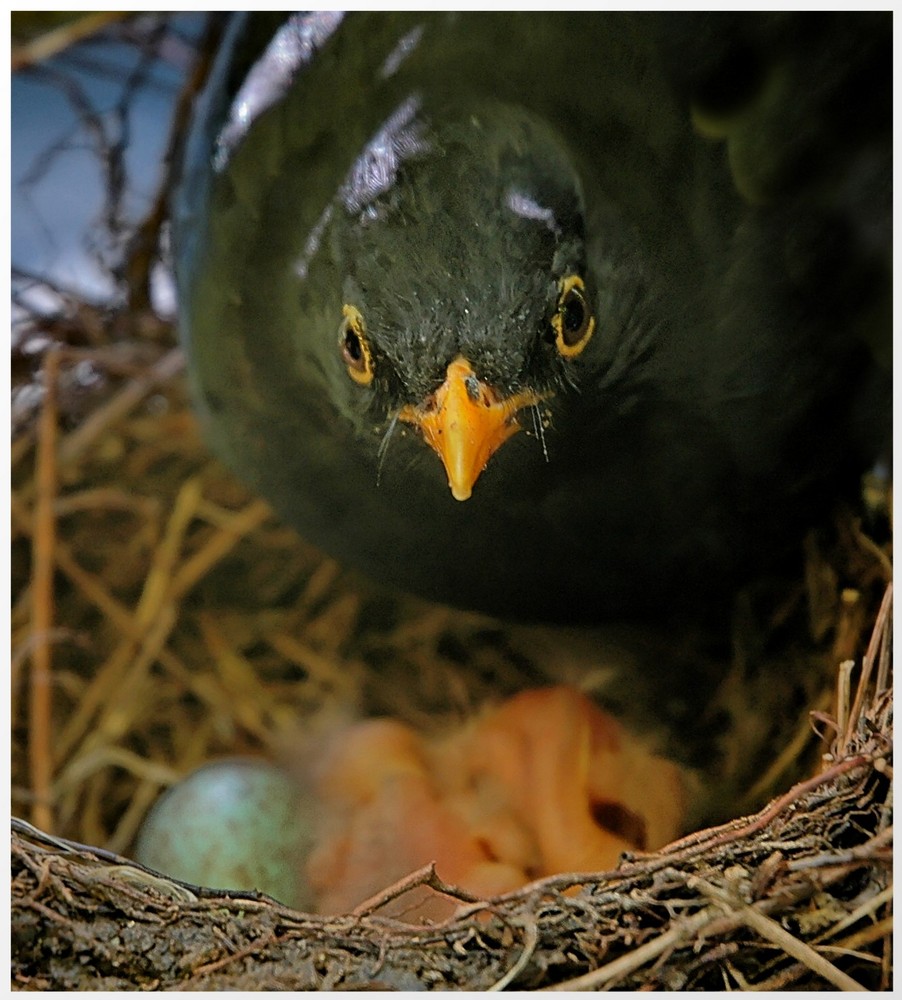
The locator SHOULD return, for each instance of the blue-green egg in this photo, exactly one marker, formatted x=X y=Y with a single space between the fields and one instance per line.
x=232 y=824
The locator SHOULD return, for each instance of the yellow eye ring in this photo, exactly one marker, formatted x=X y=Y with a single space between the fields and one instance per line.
x=355 y=348
x=572 y=322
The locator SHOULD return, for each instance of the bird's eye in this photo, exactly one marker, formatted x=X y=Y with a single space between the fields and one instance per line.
x=572 y=323
x=355 y=348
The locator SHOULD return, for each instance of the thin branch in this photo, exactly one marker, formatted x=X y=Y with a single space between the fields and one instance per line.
x=143 y=244
x=881 y=629
x=679 y=932
x=771 y=931
x=422 y=876
x=530 y=940
x=43 y=545
x=51 y=43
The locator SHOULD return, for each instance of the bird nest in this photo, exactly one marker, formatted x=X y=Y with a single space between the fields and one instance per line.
x=162 y=617
x=796 y=896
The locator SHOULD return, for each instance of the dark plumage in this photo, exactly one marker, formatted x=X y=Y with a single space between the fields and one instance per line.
x=688 y=321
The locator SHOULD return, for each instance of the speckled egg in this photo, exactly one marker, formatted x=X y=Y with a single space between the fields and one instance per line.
x=232 y=824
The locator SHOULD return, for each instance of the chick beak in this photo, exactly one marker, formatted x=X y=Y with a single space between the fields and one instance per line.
x=465 y=422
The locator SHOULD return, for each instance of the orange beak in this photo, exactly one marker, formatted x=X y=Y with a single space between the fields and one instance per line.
x=466 y=422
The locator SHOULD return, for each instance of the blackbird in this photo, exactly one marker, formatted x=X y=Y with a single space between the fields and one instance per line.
x=559 y=317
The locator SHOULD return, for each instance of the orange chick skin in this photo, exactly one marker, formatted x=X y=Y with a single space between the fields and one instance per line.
x=542 y=784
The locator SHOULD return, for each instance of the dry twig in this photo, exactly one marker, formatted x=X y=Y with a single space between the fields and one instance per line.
x=42 y=592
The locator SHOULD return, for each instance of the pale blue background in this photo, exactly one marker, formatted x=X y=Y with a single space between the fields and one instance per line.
x=57 y=179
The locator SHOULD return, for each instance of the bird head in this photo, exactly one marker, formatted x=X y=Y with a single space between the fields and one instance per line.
x=465 y=294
